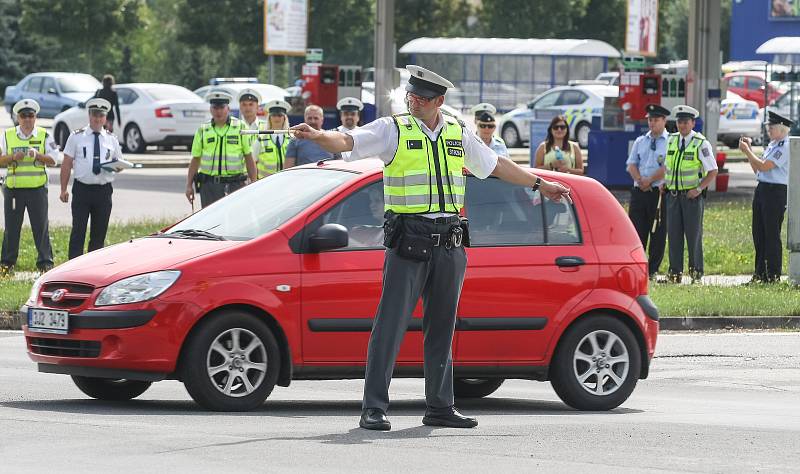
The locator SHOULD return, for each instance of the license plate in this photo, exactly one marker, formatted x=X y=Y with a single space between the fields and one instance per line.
x=194 y=113
x=47 y=320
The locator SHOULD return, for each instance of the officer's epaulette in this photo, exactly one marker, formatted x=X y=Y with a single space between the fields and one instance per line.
x=404 y=118
x=79 y=130
x=455 y=119
x=780 y=143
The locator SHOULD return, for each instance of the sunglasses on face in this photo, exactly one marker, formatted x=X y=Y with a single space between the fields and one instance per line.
x=486 y=125
x=26 y=115
x=559 y=127
x=418 y=99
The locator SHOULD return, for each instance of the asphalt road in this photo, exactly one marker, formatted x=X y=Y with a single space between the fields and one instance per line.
x=724 y=402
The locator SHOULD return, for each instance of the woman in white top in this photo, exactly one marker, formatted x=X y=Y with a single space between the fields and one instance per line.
x=557 y=152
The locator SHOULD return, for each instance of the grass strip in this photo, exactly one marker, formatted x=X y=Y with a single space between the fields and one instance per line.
x=780 y=299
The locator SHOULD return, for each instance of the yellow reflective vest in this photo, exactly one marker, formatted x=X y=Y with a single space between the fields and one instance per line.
x=27 y=173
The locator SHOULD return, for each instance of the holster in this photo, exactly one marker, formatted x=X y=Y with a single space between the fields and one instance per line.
x=392 y=228
x=464 y=224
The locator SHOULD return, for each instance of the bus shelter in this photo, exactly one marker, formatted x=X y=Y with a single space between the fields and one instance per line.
x=785 y=50
x=509 y=71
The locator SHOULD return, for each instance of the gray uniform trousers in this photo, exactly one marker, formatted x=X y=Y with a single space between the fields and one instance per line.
x=439 y=282
x=685 y=219
x=210 y=192
x=15 y=202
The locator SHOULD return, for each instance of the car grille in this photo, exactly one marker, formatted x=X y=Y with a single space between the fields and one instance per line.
x=64 y=347
x=76 y=294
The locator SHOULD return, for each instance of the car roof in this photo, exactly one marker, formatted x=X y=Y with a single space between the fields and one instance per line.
x=60 y=74
x=758 y=74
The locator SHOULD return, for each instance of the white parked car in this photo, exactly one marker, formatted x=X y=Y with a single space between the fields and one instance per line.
x=738 y=117
x=268 y=92
x=578 y=103
x=152 y=114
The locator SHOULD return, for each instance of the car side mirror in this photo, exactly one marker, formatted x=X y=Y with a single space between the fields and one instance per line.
x=52 y=90
x=329 y=237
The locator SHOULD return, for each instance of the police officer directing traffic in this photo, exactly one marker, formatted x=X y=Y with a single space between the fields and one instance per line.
x=86 y=151
x=25 y=150
x=769 y=200
x=221 y=156
x=690 y=169
x=647 y=211
x=486 y=125
x=270 y=149
x=424 y=152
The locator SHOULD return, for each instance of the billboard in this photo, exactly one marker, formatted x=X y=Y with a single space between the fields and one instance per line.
x=285 y=27
x=641 y=33
x=784 y=9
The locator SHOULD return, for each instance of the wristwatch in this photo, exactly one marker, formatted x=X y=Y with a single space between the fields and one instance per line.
x=537 y=183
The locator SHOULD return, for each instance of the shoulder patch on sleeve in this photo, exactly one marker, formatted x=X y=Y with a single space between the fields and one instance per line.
x=778 y=155
x=706 y=152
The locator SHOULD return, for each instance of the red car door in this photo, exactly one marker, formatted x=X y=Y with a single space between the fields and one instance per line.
x=341 y=288
x=527 y=265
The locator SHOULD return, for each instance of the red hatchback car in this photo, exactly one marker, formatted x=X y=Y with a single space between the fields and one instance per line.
x=750 y=85
x=280 y=281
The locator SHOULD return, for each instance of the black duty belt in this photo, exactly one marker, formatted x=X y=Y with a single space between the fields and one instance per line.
x=207 y=178
x=433 y=220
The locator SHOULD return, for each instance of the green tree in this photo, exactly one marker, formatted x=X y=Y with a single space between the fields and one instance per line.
x=17 y=52
x=344 y=29
x=532 y=19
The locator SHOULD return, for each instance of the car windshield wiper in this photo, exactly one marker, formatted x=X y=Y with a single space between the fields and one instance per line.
x=193 y=233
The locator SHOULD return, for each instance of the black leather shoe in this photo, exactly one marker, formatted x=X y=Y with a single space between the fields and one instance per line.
x=374 y=419
x=453 y=419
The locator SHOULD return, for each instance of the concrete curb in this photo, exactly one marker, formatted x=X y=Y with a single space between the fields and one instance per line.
x=14 y=321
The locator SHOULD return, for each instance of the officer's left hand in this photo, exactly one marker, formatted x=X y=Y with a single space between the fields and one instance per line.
x=305 y=131
x=554 y=191
x=693 y=193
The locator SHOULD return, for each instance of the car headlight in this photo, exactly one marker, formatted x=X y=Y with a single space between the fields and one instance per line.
x=34 y=295
x=137 y=288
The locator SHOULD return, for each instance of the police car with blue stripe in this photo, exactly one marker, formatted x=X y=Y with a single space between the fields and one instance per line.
x=738 y=117
x=578 y=102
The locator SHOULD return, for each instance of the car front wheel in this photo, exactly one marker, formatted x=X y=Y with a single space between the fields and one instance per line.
x=510 y=135
x=476 y=388
x=231 y=362
x=134 y=141
x=597 y=364
x=110 y=389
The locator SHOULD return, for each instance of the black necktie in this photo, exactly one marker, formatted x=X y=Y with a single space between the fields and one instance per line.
x=683 y=144
x=96 y=161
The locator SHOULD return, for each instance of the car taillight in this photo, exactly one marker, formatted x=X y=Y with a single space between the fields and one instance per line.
x=163 y=112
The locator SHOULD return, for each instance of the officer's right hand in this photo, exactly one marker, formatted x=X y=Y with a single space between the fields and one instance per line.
x=744 y=143
x=554 y=191
x=190 y=193
x=305 y=131
x=64 y=196
x=17 y=156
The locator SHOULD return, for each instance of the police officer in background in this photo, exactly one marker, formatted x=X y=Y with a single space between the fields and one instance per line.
x=25 y=150
x=485 y=126
x=769 y=200
x=248 y=109
x=423 y=235
x=349 y=113
x=86 y=151
x=270 y=150
x=221 y=159
x=690 y=169
x=647 y=211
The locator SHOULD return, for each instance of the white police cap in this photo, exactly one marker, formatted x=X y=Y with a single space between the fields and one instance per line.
x=96 y=104
x=483 y=107
x=249 y=94
x=219 y=97
x=426 y=83
x=350 y=104
x=277 y=106
x=685 y=111
x=26 y=104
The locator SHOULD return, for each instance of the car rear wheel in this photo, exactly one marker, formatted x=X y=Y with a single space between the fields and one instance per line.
x=582 y=134
x=476 y=388
x=231 y=362
x=110 y=389
x=510 y=135
x=597 y=364
x=134 y=141
x=61 y=135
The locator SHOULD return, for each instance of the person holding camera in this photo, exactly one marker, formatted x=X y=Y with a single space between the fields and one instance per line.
x=26 y=150
x=769 y=200
x=424 y=152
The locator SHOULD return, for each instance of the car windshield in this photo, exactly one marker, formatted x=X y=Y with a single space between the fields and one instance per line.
x=262 y=206
x=168 y=92
x=80 y=83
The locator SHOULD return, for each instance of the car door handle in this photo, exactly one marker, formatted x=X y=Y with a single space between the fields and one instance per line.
x=569 y=261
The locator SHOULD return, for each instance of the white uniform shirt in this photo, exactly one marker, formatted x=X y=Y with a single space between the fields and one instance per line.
x=80 y=146
x=345 y=155
x=379 y=139
x=255 y=142
x=50 y=147
x=705 y=152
